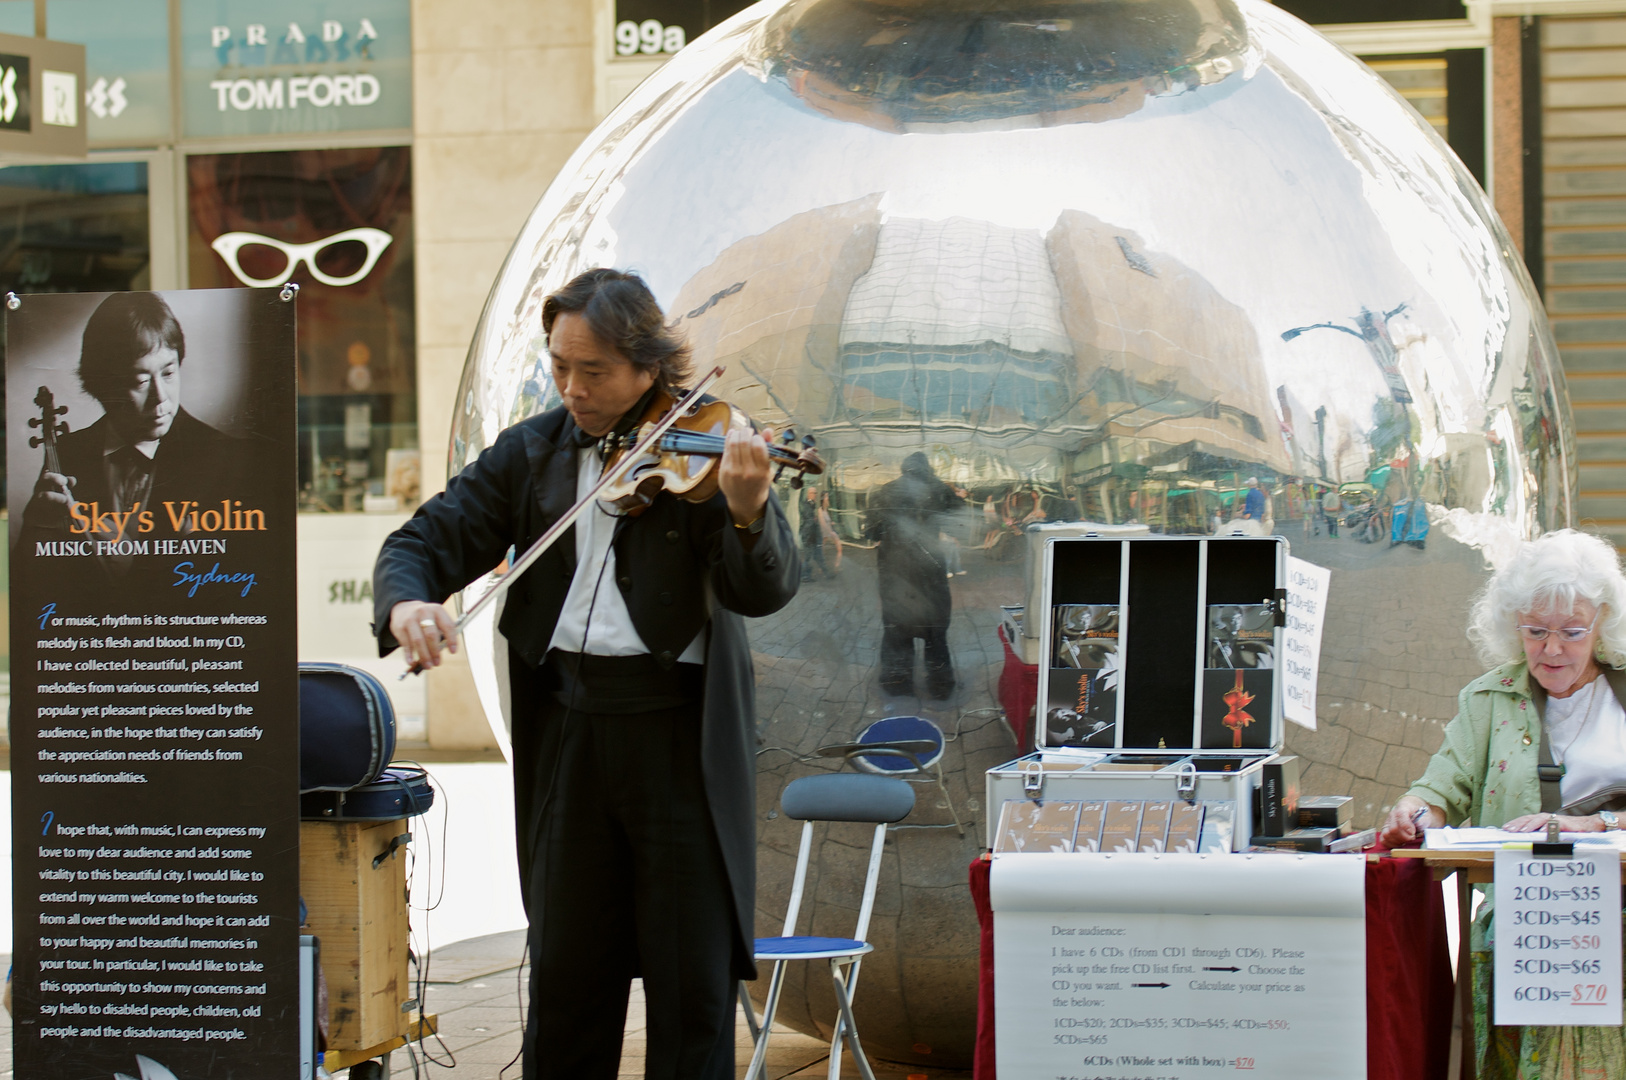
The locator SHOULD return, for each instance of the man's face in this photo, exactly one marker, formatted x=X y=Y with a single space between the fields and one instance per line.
x=597 y=383
x=143 y=402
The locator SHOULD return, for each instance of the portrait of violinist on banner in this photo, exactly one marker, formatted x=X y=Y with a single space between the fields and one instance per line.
x=147 y=464
x=631 y=684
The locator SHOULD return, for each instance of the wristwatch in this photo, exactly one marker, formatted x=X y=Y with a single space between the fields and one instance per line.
x=754 y=526
x=1611 y=823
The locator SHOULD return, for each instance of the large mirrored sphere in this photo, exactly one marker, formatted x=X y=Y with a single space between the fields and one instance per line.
x=1017 y=264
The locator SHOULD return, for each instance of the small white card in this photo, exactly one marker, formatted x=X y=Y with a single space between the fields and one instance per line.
x=1558 y=938
x=1307 y=586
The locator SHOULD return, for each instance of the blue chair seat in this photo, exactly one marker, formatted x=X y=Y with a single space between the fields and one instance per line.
x=893 y=729
x=808 y=948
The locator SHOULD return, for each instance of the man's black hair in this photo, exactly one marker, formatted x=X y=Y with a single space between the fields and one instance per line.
x=123 y=329
x=622 y=313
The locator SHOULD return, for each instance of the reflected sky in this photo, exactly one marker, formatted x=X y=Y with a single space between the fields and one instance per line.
x=1243 y=181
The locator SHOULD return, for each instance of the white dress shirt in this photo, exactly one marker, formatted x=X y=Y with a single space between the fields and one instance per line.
x=611 y=632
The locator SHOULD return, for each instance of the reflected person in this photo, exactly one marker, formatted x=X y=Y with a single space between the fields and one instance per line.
x=811 y=535
x=145 y=449
x=906 y=518
x=1540 y=738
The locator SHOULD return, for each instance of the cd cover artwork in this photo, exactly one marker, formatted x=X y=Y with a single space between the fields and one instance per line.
x=1030 y=826
x=1082 y=707
x=1085 y=635
x=1236 y=709
x=1241 y=635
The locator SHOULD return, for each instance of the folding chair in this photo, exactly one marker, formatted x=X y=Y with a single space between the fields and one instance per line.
x=828 y=797
x=898 y=745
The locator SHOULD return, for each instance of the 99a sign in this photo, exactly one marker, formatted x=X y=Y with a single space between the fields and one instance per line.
x=662 y=27
x=648 y=37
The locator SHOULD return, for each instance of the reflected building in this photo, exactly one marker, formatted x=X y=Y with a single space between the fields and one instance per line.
x=1079 y=261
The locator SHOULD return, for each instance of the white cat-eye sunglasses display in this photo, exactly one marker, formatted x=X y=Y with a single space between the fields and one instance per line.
x=228 y=245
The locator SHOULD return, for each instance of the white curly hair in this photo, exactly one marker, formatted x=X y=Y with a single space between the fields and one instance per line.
x=1549 y=574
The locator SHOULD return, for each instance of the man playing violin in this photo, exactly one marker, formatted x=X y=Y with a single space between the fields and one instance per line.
x=633 y=711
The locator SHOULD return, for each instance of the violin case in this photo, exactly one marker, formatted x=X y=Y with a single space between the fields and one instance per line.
x=1156 y=732
x=346 y=727
x=346 y=741
x=400 y=791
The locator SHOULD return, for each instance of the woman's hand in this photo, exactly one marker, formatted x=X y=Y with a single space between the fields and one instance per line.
x=1566 y=823
x=1404 y=825
x=422 y=629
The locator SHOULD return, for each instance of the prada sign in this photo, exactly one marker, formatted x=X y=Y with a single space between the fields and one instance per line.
x=257 y=67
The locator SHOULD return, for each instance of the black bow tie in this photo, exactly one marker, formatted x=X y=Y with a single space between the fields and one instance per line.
x=582 y=439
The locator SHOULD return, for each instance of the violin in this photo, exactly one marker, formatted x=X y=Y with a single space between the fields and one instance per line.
x=684 y=460
x=46 y=421
x=675 y=447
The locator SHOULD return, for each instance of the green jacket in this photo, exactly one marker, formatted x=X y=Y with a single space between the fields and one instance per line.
x=1485 y=770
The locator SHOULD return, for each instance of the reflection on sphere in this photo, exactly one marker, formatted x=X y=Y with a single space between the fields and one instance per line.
x=1057 y=262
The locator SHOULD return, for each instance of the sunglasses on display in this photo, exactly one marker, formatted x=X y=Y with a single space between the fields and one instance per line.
x=1569 y=634
x=264 y=254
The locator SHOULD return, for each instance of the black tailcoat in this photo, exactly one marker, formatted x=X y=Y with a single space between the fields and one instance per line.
x=679 y=566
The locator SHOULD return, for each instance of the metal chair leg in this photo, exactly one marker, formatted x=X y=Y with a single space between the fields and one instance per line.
x=759 y=1055
x=846 y=1022
x=750 y=1012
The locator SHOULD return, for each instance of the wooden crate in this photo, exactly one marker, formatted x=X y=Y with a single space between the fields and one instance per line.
x=360 y=915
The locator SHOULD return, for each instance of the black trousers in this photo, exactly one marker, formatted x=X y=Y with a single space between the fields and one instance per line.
x=813 y=552
x=898 y=659
x=628 y=880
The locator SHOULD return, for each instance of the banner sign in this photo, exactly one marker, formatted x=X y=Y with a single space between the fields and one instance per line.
x=1172 y=967
x=155 y=744
x=40 y=84
x=1558 y=938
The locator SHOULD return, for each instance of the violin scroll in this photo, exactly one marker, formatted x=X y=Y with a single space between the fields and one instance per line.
x=808 y=457
x=49 y=428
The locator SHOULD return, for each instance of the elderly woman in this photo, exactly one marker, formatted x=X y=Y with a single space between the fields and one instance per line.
x=1541 y=736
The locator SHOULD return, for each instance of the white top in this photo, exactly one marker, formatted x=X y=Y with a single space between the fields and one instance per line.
x=1587 y=732
x=612 y=632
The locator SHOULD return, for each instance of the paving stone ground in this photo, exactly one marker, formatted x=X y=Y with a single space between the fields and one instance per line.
x=480 y=1026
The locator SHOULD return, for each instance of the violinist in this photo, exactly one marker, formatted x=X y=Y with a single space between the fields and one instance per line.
x=633 y=712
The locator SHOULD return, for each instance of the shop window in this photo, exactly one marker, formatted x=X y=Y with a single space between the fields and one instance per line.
x=338 y=223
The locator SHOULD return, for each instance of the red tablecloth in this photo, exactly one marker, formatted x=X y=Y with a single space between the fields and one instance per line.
x=1408 y=973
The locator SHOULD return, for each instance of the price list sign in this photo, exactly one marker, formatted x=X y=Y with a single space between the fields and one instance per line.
x=1558 y=939
x=155 y=746
x=1179 y=967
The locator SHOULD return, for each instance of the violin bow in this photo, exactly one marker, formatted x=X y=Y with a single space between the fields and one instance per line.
x=568 y=518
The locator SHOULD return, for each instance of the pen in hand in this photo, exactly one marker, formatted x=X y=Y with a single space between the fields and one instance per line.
x=1417 y=820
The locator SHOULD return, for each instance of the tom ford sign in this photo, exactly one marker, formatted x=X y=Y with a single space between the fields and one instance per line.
x=257 y=67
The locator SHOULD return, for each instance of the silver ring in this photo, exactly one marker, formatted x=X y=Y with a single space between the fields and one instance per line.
x=428 y=623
